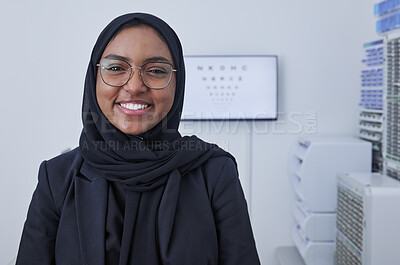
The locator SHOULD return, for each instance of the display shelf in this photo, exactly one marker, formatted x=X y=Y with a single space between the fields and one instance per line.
x=372 y=127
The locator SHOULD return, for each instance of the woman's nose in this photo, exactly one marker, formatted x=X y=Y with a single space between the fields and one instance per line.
x=135 y=83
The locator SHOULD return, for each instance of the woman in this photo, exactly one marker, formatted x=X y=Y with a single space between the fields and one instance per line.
x=135 y=191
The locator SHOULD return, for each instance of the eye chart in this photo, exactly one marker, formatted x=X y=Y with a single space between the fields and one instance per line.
x=230 y=87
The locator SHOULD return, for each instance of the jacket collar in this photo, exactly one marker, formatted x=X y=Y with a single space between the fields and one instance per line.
x=91 y=208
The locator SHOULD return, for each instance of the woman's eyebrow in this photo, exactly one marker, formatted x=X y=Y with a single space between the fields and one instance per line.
x=156 y=59
x=116 y=57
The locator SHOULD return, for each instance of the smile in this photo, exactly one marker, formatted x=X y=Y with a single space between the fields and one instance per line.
x=132 y=106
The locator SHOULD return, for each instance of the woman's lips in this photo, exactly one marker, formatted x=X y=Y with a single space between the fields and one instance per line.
x=134 y=107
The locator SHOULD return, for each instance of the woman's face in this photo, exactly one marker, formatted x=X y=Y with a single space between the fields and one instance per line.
x=134 y=108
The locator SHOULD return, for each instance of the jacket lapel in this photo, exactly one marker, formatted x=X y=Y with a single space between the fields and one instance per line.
x=91 y=206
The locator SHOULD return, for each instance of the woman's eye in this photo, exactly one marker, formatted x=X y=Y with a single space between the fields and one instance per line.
x=114 y=68
x=156 y=71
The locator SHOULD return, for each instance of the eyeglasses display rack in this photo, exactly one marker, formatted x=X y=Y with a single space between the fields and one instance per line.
x=388 y=27
x=370 y=125
x=367 y=230
x=392 y=107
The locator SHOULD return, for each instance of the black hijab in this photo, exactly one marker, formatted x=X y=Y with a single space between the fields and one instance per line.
x=147 y=167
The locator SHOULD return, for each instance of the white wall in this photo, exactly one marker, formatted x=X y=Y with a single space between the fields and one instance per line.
x=45 y=50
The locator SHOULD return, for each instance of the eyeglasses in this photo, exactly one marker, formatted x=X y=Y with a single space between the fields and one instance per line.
x=155 y=75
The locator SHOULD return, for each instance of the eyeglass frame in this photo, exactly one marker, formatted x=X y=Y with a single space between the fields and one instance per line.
x=140 y=73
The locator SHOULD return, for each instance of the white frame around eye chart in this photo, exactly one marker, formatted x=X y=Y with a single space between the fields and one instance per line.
x=231 y=88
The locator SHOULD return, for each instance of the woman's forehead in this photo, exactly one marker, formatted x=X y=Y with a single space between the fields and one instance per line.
x=138 y=43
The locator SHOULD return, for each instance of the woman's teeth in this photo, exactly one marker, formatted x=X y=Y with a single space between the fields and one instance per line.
x=132 y=106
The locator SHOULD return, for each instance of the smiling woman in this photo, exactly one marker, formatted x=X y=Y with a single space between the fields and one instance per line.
x=135 y=191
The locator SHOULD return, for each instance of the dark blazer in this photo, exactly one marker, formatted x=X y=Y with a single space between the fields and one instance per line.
x=66 y=218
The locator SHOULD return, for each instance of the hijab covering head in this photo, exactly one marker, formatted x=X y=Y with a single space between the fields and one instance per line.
x=149 y=167
x=167 y=129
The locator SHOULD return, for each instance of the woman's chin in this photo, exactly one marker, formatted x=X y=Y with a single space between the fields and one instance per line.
x=135 y=129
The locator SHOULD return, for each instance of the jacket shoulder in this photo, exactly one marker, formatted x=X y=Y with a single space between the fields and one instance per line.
x=66 y=162
x=218 y=163
x=60 y=172
x=217 y=170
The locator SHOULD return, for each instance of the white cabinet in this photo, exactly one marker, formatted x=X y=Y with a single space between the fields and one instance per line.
x=368 y=219
x=315 y=164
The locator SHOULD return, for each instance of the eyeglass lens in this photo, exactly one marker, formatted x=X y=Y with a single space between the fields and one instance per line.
x=155 y=75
